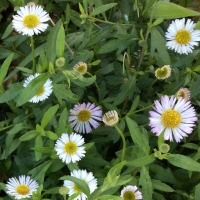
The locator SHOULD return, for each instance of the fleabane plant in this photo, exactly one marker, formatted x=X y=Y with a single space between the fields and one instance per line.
x=99 y=100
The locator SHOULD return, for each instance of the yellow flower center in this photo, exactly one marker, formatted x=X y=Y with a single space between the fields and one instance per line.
x=31 y=21
x=129 y=195
x=22 y=189
x=40 y=92
x=171 y=118
x=70 y=147
x=162 y=72
x=76 y=189
x=182 y=94
x=110 y=118
x=183 y=37
x=81 y=69
x=84 y=115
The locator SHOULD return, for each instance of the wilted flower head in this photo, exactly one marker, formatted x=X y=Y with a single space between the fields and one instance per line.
x=183 y=93
x=30 y=20
x=21 y=188
x=131 y=193
x=175 y=117
x=181 y=36
x=81 y=67
x=163 y=72
x=111 y=118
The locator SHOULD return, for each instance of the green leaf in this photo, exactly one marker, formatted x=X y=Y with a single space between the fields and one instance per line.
x=135 y=104
x=60 y=42
x=51 y=135
x=158 y=185
x=145 y=182
x=102 y=9
x=126 y=90
x=62 y=123
x=15 y=129
x=29 y=135
x=138 y=138
x=51 y=42
x=139 y=162
x=11 y=93
x=38 y=172
x=32 y=88
x=167 y=10
x=158 y=42
x=38 y=144
x=81 y=80
x=62 y=93
x=4 y=67
x=197 y=192
x=45 y=150
x=112 y=176
x=107 y=196
x=81 y=184
x=195 y=88
x=48 y=115
x=8 y=31
x=183 y=162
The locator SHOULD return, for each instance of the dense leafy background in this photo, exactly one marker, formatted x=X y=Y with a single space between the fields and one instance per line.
x=123 y=44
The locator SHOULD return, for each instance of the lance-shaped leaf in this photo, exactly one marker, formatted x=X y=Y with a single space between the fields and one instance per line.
x=102 y=9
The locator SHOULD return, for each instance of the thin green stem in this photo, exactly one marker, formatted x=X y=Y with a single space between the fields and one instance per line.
x=99 y=91
x=17 y=52
x=64 y=197
x=93 y=19
x=145 y=108
x=7 y=127
x=146 y=37
x=150 y=88
x=123 y=140
x=33 y=55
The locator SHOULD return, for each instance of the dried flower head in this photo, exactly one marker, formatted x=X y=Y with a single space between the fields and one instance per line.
x=111 y=118
x=163 y=72
x=183 y=93
x=81 y=67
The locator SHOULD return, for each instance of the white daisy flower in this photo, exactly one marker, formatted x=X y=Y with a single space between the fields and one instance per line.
x=83 y=116
x=85 y=176
x=181 y=36
x=30 y=20
x=183 y=93
x=111 y=118
x=81 y=67
x=175 y=117
x=130 y=193
x=44 y=91
x=21 y=188
x=163 y=72
x=69 y=147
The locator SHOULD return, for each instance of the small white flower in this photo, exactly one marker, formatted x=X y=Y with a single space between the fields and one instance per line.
x=183 y=93
x=181 y=36
x=130 y=193
x=21 y=188
x=110 y=118
x=85 y=176
x=69 y=147
x=81 y=67
x=175 y=117
x=30 y=20
x=44 y=91
x=83 y=116
x=163 y=72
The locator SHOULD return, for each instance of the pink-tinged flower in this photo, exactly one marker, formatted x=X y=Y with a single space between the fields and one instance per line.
x=131 y=192
x=83 y=116
x=175 y=117
x=81 y=67
x=183 y=93
x=85 y=176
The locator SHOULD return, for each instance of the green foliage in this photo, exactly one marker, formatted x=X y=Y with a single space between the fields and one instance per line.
x=122 y=43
